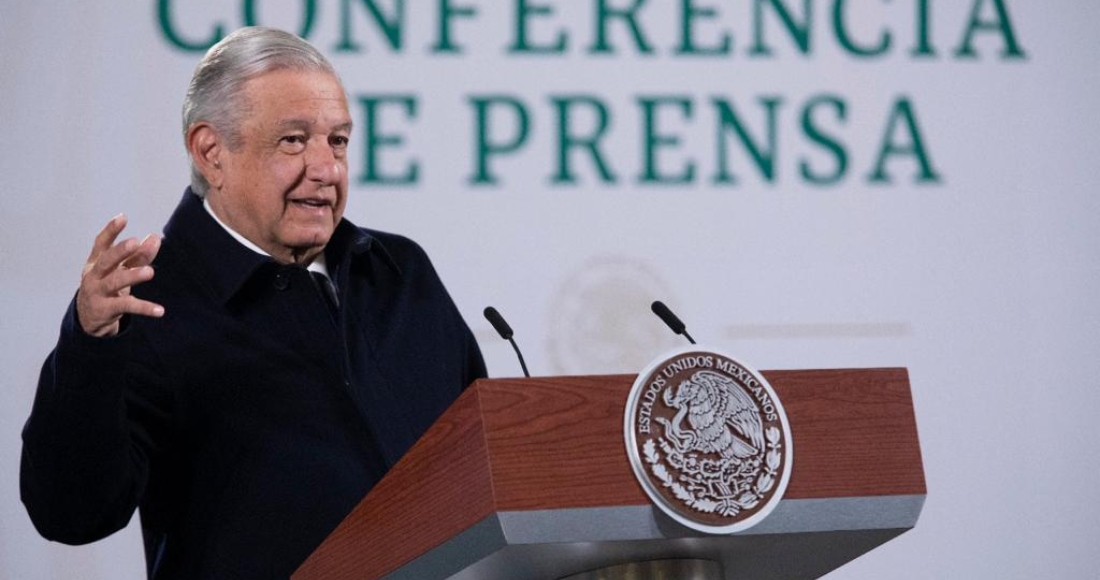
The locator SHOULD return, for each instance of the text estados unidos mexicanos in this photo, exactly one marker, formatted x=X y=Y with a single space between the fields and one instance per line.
x=661 y=379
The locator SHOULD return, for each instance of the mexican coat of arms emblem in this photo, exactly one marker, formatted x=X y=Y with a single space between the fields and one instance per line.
x=708 y=440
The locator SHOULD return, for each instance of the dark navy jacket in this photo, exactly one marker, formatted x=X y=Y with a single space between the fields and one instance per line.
x=247 y=422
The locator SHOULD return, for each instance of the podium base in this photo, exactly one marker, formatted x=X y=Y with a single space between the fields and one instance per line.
x=679 y=569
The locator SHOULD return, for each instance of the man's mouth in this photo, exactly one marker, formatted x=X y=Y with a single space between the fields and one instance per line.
x=310 y=203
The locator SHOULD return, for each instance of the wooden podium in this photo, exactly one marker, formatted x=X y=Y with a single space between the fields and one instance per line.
x=528 y=479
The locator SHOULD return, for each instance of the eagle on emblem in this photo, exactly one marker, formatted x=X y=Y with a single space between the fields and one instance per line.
x=722 y=418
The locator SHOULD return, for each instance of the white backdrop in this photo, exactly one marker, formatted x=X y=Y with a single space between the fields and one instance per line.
x=982 y=282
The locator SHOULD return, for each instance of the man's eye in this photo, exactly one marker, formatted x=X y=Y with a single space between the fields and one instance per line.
x=339 y=141
x=293 y=139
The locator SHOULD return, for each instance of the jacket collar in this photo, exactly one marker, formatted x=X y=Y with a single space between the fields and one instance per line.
x=228 y=264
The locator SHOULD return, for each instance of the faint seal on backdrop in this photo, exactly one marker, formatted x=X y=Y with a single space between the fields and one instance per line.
x=709 y=440
x=599 y=319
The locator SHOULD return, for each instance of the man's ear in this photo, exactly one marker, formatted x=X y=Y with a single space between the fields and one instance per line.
x=206 y=147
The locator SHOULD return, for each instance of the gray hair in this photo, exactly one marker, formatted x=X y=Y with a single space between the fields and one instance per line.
x=214 y=95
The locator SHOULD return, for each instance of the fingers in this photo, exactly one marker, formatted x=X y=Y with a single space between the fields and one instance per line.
x=120 y=280
x=128 y=304
x=145 y=308
x=107 y=236
x=128 y=253
x=101 y=315
x=112 y=269
x=144 y=253
x=111 y=258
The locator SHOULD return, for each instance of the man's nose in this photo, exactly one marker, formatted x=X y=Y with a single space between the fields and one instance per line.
x=322 y=164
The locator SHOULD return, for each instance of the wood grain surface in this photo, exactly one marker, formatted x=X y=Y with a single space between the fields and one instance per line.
x=557 y=443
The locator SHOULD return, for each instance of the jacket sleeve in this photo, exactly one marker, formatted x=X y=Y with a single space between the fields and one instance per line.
x=475 y=363
x=87 y=443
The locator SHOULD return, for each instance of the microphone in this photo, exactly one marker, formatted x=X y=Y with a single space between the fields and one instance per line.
x=505 y=332
x=670 y=319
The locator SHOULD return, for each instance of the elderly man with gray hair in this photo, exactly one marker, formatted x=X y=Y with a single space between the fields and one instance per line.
x=245 y=380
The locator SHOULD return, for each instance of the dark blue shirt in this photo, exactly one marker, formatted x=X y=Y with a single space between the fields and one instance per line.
x=248 y=421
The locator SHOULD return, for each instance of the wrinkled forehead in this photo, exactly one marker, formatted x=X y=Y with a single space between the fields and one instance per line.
x=293 y=91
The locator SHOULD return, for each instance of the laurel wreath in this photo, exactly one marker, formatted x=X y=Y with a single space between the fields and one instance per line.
x=725 y=505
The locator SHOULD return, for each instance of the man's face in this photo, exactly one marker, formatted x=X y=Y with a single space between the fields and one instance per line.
x=285 y=186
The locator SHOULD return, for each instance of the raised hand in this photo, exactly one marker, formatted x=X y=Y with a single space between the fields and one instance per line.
x=111 y=270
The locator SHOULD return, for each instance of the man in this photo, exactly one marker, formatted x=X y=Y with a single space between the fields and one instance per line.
x=245 y=381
